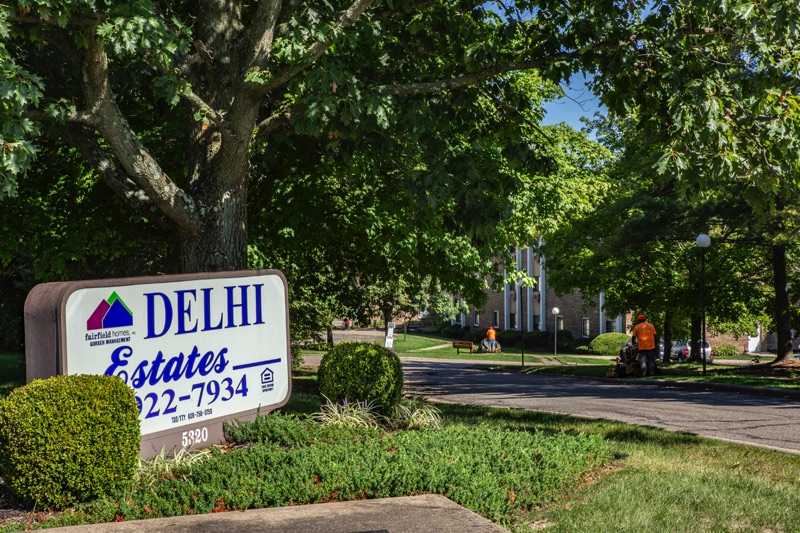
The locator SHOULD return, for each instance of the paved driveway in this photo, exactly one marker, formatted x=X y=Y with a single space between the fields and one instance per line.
x=768 y=422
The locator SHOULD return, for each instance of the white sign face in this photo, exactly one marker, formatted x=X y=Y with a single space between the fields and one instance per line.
x=192 y=350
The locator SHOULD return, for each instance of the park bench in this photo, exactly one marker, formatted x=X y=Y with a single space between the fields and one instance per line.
x=462 y=345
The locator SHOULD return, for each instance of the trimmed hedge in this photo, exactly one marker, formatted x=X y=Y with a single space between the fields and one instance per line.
x=68 y=439
x=608 y=343
x=360 y=371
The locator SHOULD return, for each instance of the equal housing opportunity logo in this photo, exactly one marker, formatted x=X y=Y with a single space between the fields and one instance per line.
x=111 y=313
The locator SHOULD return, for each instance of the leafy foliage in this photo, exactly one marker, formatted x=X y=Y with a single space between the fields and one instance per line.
x=362 y=372
x=68 y=439
x=292 y=431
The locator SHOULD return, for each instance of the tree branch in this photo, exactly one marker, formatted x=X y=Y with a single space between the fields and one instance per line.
x=273 y=123
x=263 y=29
x=467 y=80
x=212 y=114
x=315 y=51
x=82 y=139
x=103 y=114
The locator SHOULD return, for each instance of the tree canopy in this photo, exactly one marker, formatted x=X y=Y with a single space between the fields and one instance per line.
x=201 y=115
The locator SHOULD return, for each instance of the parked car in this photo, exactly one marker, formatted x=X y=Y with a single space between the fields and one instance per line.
x=682 y=351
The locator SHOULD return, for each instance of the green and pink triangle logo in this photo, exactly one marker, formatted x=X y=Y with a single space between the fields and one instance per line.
x=111 y=313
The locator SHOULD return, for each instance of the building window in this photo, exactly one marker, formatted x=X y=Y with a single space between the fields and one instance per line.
x=513 y=318
x=496 y=318
x=537 y=325
x=611 y=326
x=585 y=327
x=476 y=319
x=559 y=322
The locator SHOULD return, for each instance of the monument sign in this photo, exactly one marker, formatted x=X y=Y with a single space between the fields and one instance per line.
x=197 y=349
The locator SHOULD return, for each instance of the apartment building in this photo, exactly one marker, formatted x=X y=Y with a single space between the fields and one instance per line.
x=532 y=308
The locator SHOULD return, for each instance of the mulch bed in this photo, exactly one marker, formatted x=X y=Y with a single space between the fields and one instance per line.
x=14 y=513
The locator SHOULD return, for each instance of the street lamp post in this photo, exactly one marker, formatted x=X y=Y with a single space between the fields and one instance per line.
x=555 y=330
x=703 y=241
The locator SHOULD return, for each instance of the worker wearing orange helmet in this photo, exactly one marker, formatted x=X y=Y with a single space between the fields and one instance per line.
x=644 y=335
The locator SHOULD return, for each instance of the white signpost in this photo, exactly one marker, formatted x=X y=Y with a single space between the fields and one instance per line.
x=389 y=342
x=197 y=350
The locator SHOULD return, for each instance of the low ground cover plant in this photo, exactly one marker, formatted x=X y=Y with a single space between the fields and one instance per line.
x=285 y=459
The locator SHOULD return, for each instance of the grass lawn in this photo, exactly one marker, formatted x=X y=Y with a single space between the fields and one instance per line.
x=662 y=481
x=433 y=347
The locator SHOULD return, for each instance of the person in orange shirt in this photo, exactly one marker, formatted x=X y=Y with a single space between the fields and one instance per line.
x=491 y=336
x=644 y=335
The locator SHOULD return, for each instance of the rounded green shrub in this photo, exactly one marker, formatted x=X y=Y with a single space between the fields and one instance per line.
x=359 y=371
x=68 y=439
x=726 y=350
x=608 y=343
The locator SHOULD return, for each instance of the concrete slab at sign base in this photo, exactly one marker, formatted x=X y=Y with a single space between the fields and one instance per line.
x=428 y=513
x=197 y=349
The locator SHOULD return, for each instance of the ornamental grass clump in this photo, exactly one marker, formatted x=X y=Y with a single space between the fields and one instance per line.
x=348 y=414
x=414 y=413
x=162 y=465
x=359 y=372
x=68 y=439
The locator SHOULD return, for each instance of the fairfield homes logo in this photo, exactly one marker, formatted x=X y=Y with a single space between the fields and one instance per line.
x=111 y=313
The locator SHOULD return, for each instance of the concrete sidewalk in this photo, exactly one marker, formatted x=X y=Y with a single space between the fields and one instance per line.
x=428 y=513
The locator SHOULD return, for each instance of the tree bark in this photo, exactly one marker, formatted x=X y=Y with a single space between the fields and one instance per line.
x=697 y=331
x=667 y=334
x=783 y=321
x=222 y=243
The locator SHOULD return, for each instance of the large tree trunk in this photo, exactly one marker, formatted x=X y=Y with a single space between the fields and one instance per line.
x=783 y=321
x=222 y=242
x=697 y=331
x=387 y=317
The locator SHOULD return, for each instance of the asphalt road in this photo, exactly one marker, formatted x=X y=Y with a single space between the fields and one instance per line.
x=767 y=422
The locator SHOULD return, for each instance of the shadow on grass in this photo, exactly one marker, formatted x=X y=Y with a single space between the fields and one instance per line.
x=645 y=435
x=522 y=420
